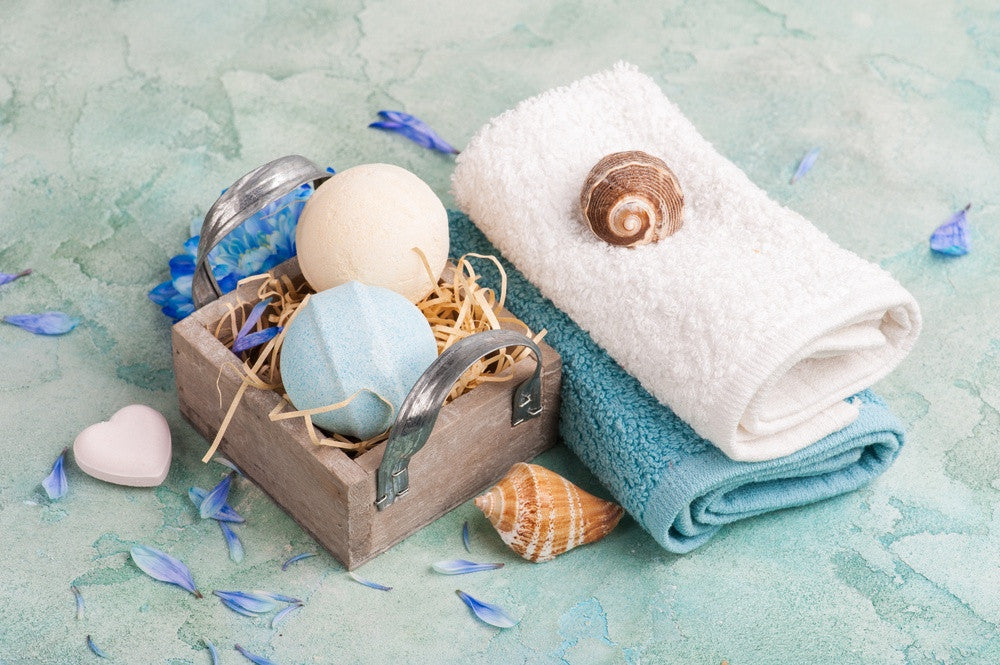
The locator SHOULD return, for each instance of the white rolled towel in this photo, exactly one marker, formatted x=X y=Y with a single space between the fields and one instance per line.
x=748 y=322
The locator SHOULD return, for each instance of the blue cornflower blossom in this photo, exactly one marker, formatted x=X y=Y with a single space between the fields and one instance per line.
x=259 y=244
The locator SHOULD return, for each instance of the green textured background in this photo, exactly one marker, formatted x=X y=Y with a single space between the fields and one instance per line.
x=120 y=121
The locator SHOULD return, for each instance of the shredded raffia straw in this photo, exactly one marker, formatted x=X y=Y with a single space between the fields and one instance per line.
x=457 y=308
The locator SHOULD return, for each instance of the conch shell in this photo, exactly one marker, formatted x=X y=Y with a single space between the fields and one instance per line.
x=632 y=198
x=539 y=514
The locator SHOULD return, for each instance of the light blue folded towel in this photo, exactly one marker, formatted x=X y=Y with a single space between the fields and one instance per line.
x=681 y=488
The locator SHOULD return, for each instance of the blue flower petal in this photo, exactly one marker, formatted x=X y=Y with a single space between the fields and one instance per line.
x=369 y=583
x=255 y=339
x=952 y=237
x=462 y=567
x=255 y=602
x=212 y=504
x=297 y=557
x=178 y=310
x=254 y=658
x=400 y=117
x=418 y=125
x=283 y=614
x=805 y=164
x=7 y=278
x=219 y=459
x=96 y=649
x=182 y=283
x=212 y=651
x=235 y=607
x=182 y=273
x=465 y=537
x=253 y=318
x=281 y=597
x=79 y=601
x=414 y=129
x=46 y=323
x=487 y=613
x=161 y=566
x=231 y=280
x=225 y=514
x=233 y=541
x=55 y=483
x=415 y=135
x=181 y=265
x=163 y=293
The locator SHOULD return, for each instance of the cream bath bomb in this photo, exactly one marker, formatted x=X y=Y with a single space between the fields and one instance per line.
x=355 y=339
x=363 y=223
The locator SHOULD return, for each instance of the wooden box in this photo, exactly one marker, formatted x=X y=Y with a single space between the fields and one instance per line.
x=331 y=495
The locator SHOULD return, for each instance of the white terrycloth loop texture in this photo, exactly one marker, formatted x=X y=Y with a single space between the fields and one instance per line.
x=749 y=322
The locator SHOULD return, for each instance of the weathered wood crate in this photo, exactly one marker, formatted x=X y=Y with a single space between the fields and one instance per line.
x=331 y=495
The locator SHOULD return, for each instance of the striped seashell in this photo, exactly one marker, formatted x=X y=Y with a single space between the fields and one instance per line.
x=632 y=198
x=539 y=514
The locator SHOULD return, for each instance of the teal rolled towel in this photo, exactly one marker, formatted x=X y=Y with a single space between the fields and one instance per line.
x=678 y=486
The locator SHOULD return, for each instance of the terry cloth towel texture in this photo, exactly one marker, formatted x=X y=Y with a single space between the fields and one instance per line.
x=677 y=485
x=750 y=323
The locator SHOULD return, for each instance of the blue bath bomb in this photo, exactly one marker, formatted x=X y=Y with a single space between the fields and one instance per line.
x=354 y=337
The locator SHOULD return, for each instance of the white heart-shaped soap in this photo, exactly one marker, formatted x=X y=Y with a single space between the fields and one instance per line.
x=132 y=448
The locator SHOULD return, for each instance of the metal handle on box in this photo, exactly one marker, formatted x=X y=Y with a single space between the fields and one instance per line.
x=244 y=198
x=420 y=409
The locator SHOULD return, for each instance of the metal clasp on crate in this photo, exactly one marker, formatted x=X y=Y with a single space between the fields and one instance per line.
x=420 y=409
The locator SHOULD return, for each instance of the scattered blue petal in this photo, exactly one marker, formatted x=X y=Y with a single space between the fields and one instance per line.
x=225 y=514
x=256 y=339
x=465 y=537
x=229 y=464
x=369 y=583
x=161 y=566
x=235 y=607
x=46 y=323
x=247 y=602
x=96 y=649
x=254 y=658
x=213 y=502
x=487 y=613
x=283 y=614
x=952 y=237
x=241 y=343
x=281 y=597
x=461 y=567
x=79 y=601
x=414 y=129
x=212 y=651
x=233 y=541
x=55 y=483
x=254 y=602
x=253 y=317
x=804 y=165
x=7 y=278
x=297 y=557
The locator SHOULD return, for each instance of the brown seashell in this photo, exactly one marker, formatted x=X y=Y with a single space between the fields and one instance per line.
x=632 y=198
x=540 y=514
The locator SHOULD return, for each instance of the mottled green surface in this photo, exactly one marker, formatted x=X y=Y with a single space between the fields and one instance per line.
x=120 y=121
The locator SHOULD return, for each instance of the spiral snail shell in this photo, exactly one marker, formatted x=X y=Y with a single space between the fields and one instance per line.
x=539 y=514
x=632 y=198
